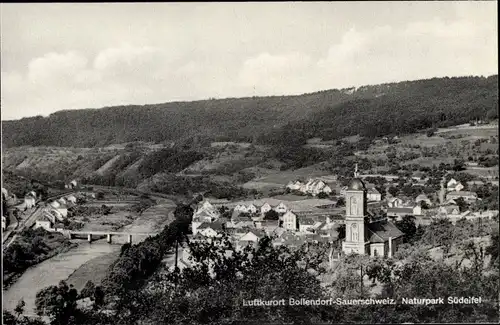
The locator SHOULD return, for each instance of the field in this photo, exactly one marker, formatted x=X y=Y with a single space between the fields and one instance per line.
x=281 y=178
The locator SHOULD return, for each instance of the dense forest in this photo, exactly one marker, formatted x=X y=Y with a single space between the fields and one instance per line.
x=394 y=108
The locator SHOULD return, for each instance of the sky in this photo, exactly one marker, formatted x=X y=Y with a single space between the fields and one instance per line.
x=57 y=56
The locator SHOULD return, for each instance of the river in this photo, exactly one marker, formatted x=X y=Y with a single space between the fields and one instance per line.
x=61 y=266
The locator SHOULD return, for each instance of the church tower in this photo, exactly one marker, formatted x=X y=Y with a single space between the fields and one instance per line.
x=355 y=202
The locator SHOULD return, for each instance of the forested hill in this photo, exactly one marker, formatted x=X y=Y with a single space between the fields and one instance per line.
x=370 y=110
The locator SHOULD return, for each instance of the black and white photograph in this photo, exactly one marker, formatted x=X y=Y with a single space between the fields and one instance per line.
x=262 y=163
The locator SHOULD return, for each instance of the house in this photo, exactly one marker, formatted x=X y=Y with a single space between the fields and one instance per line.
x=290 y=221
x=251 y=208
x=454 y=185
x=475 y=183
x=240 y=208
x=466 y=195
x=5 y=193
x=423 y=198
x=306 y=224
x=314 y=187
x=449 y=210
x=364 y=235
x=400 y=212
x=265 y=208
x=294 y=186
x=251 y=238
x=281 y=208
x=4 y=222
x=206 y=212
x=44 y=223
x=71 y=198
x=72 y=184
x=373 y=195
x=394 y=202
x=269 y=226
x=213 y=229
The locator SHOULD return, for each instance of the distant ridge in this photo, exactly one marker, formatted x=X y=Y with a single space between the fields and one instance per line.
x=391 y=108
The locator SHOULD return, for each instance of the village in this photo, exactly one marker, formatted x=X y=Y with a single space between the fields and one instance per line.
x=329 y=220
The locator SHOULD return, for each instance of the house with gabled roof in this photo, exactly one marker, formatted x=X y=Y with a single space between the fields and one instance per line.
x=266 y=207
x=373 y=195
x=466 y=195
x=252 y=238
x=423 y=198
x=454 y=185
x=306 y=224
x=290 y=221
x=211 y=229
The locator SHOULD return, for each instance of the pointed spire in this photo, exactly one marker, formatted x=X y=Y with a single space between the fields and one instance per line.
x=356 y=173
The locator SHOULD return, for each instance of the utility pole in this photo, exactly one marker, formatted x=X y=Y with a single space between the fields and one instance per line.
x=361 y=269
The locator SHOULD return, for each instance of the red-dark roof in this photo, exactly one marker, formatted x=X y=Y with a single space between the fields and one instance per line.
x=381 y=231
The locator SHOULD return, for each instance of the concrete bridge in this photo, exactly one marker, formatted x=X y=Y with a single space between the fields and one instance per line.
x=109 y=234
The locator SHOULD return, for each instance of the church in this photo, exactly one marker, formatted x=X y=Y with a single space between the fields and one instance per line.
x=365 y=234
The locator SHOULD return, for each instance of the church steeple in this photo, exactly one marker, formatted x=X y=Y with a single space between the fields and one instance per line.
x=356 y=173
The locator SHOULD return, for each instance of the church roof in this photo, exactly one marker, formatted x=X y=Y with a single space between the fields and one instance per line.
x=357 y=185
x=381 y=231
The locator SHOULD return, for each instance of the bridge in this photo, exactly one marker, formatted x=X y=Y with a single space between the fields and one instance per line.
x=109 y=234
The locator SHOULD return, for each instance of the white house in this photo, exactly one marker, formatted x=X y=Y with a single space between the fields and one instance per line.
x=4 y=223
x=290 y=221
x=373 y=195
x=281 y=208
x=45 y=224
x=466 y=195
x=210 y=230
x=251 y=208
x=240 y=208
x=454 y=185
x=5 y=193
x=306 y=225
x=72 y=184
x=449 y=210
x=265 y=208
x=394 y=202
x=252 y=237
x=400 y=212
x=294 y=185
x=206 y=212
x=71 y=198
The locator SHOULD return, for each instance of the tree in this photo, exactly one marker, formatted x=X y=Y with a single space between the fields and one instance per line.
x=57 y=302
x=19 y=310
x=341 y=231
x=408 y=227
x=393 y=191
x=88 y=290
x=462 y=205
x=493 y=251
x=271 y=215
x=340 y=202
x=99 y=196
x=458 y=165
x=322 y=195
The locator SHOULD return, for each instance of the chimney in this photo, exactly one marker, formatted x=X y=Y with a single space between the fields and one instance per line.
x=389 y=254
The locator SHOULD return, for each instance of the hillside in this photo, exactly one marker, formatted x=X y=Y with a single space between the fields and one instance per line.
x=394 y=108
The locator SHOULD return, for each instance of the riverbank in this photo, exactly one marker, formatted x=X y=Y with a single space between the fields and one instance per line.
x=95 y=270
x=30 y=249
